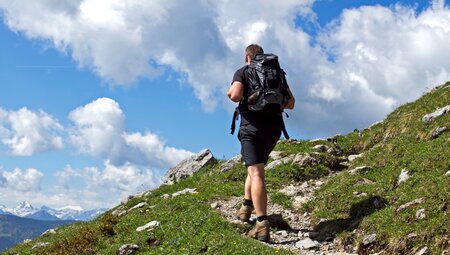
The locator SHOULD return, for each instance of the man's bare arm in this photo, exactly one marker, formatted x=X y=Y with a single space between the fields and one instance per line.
x=236 y=91
x=291 y=102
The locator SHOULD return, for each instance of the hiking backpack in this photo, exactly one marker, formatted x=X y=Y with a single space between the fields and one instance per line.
x=267 y=84
x=267 y=88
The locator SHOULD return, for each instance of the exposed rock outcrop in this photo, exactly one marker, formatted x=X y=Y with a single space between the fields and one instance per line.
x=229 y=164
x=438 y=113
x=189 y=166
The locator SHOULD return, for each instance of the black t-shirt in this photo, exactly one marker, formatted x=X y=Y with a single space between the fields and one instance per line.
x=250 y=117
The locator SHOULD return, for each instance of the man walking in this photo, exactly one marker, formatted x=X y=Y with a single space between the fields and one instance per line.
x=259 y=131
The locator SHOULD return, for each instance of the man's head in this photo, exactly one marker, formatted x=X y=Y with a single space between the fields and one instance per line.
x=251 y=51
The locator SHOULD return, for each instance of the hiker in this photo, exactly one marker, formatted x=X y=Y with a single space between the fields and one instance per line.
x=260 y=128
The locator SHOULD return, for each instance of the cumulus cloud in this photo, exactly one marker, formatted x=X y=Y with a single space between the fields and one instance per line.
x=28 y=180
x=26 y=132
x=99 y=130
x=350 y=73
x=93 y=187
x=89 y=187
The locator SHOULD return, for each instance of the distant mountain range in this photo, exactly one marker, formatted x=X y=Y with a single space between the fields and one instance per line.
x=27 y=222
x=75 y=213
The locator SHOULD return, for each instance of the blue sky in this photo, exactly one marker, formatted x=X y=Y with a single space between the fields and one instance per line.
x=99 y=98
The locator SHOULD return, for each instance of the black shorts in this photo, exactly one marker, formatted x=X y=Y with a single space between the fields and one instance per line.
x=257 y=143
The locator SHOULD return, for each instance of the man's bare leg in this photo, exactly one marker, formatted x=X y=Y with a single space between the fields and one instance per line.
x=247 y=189
x=258 y=188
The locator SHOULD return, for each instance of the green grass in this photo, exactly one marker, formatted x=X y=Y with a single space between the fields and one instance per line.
x=190 y=226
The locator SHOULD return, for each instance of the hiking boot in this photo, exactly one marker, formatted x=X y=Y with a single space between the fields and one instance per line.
x=244 y=213
x=261 y=231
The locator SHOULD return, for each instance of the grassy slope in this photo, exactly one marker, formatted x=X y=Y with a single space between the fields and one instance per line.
x=402 y=141
x=189 y=226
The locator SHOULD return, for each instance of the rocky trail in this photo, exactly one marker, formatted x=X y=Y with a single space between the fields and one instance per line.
x=290 y=230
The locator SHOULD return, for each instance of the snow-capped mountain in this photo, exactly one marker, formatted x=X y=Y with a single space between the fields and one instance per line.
x=26 y=210
x=22 y=210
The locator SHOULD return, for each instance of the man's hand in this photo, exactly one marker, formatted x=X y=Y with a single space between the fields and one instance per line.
x=236 y=91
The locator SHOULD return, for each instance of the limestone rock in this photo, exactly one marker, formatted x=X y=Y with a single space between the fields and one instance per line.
x=306 y=244
x=437 y=132
x=49 y=232
x=276 y=163
x=321 y=148
x=359 y=169
x=185 y=191
x=409 y=204
x=119 y=212
x=363 y=181
x=447 y=173
x=276 y=155
x=39 y=245
x=304 y=160
x=140 y=205
x=335 y=151
x=128 y=249
x=360 y=194
x=420 y=214
x=165 y=196
x=229 y=164
x=151 y=224
x=214 y=205
x=404 y=176
x=189 y=166
x=354 y=156
x=422 y=251
x=26 y=241
x=368 y=239
x=438 y=113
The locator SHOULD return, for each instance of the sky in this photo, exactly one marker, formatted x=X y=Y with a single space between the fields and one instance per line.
x=98 y=99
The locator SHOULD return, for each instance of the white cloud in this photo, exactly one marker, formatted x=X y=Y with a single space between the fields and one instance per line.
x=21 y=180
x=369 y=60
x=100 y=131
x=91 y=187
x=26 y=132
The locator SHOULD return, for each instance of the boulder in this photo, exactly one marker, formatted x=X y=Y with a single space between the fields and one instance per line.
x=420 y=214
x=303 y=160
x=437 y=132
x=39 y=245
x=438 y=113
x=128 y=249
x=368 y=239
x=229 y=164
x=306 y=244
x=321 y=148
x=282 y=161
x=359 y=169
x=151 y=224
x=335 y=151
x=404 y=176
x=276 y=155
x=353 y=157
x=140 y=205
x=189 y=166
x=49 y=232
x=409 y=204
x=185 y=191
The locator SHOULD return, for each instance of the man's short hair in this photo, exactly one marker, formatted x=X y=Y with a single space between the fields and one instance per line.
x=253 y=49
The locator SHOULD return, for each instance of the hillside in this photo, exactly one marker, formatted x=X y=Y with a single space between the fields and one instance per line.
x=14 y=229
x=382 y=189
